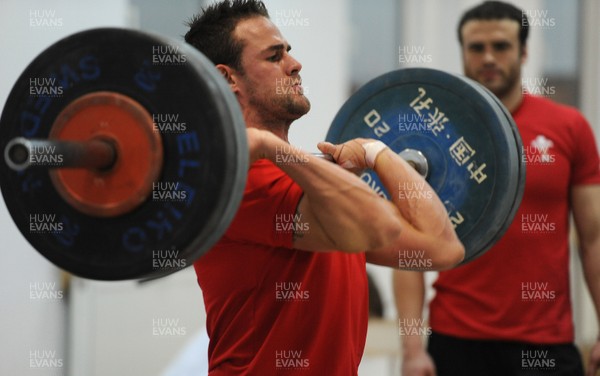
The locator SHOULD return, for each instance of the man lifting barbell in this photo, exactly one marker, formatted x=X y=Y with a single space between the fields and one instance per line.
x=90 y=150
x=271 y=306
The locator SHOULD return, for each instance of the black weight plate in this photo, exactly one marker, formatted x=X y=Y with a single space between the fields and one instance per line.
x=205 y=154
x=474 y=157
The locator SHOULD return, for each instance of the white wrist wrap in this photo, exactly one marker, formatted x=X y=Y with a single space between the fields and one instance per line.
x=372 y=150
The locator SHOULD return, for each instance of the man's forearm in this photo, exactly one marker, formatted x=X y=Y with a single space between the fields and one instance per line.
x=590 y=259
x=423 y=211
x=409 y=294
x=585 y=201
x=356 y=219
x=413 y=195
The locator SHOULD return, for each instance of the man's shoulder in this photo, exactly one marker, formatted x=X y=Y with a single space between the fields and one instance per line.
x=551 y=114
x=549 y=107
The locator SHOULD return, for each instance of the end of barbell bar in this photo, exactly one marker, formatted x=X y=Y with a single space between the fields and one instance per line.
x=417 y=160
x=96 y=153
x=17 y=153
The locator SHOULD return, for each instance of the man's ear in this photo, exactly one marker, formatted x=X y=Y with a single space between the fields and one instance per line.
x=524 y=54
x=229 y=74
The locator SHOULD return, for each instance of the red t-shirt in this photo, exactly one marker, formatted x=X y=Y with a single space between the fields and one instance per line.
x=272 y=309
x=519 y=289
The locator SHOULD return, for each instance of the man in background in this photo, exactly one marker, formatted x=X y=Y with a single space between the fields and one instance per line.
x=509 y=312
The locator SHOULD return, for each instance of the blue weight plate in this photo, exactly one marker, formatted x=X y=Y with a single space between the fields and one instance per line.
x=471 y=148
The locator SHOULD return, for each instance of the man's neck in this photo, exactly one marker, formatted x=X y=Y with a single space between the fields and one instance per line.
x=512 y=100
x=279 y=128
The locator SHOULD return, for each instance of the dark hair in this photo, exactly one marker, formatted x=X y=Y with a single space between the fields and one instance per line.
x=211 y=31
x=496 y=10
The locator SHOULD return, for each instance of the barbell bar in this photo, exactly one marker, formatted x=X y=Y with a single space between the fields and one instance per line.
x=145 y=154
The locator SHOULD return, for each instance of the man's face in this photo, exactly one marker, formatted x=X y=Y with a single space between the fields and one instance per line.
x=492 y=54
x=270 y=82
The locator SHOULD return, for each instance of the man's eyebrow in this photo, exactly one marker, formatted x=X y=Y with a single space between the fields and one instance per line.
x=278 y=47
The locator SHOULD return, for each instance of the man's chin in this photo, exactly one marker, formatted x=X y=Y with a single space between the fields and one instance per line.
x=297 y=113
x=300 y=105
x=496 y=87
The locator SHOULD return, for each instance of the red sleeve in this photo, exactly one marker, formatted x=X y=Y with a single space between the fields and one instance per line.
x=266 y=214
x=586 y=163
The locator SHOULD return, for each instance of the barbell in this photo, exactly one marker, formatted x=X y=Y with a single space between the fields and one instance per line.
x=125 y=154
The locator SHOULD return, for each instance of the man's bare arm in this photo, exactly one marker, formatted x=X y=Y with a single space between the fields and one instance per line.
x=345 y=214
x=586 y=212
x=409 y=295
